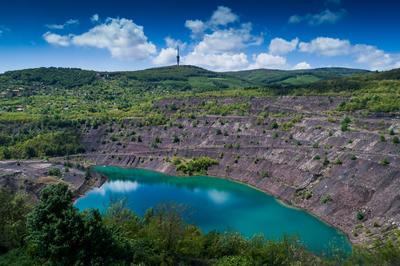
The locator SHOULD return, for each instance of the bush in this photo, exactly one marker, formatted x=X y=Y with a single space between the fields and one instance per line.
x=197 y=165
x=384 y=161
x=54 y=172
x=360 y=215
x=325 y=199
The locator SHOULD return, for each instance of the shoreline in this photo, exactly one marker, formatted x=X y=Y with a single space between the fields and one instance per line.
x=278 y=199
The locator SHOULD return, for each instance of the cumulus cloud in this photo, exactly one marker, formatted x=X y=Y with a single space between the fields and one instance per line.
x=375 y=58
x=121 y=37
x=57 y=39
x=282 y=46
x=68 y=23
x=218 y=61
x=95 y=18
x=326 y=46
x=222 y=16
x=265 y=60
x=167 y=56
x=302 y=65
x=324 y=17
x=222 y=48
x=367 y=56
x=197 y=27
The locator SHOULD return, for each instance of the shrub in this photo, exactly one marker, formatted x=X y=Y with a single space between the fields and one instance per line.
x=325 y=199
x=197 y=165
x=384 y=161
x=360 y=215
x=54 y=172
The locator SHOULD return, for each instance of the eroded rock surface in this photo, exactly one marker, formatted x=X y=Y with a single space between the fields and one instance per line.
x=291 y=147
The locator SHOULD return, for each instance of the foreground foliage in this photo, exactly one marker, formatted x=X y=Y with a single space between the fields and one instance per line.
x=58 y=234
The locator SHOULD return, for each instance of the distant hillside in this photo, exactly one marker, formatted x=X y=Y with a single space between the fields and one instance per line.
x=183 y=78
x=56 y=76
x=192 y=78
x=265 y=77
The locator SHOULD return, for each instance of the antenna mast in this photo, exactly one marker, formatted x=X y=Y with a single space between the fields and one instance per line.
x=177 y=56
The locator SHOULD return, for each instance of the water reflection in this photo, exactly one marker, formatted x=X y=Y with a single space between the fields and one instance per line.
x=218 y=197
x=117 y=186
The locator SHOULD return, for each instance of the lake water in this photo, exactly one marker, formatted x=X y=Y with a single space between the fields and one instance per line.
x=213 y=204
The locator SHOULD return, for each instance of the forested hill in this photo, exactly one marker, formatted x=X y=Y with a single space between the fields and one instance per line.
x=295 y=77
x=180 y=78
x=375 y=91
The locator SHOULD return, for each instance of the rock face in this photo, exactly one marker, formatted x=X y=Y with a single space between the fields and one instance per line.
x=31 y=176
x=298 y=149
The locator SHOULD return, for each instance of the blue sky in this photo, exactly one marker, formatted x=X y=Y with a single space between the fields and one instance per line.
x=217 y=35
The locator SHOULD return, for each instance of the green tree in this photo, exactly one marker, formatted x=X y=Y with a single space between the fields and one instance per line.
x=55 y=227
x=13 y=211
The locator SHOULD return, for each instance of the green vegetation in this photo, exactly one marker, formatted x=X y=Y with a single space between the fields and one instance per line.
x=54 y=172
x=360 y=215
x=13 y=210
x=195 y=166
x=344 y=124
x=325 y=199
x=44 y=111
x=58 y=234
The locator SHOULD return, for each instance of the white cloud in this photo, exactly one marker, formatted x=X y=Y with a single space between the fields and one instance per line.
x=264 y=60
x=121 y=37
x=69 y=22
x=281 y=46
x=302 y=65
x=196 y=26
x=57 y=39
x=228 y=40
x=222 y=49
x=95 y=18
x=374 y=58
x=222 y=16
x=172 y=43
x=324 y=17
x=167 y=56
x=326 y=46
x=366 y=56
x=217 y=61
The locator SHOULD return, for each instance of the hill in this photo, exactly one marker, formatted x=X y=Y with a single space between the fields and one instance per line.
x=171 y=78
x=265 y=77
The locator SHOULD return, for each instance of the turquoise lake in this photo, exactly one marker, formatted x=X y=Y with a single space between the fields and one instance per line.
x=213 y=204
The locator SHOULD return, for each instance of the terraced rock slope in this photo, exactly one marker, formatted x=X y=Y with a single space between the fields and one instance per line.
x=300 y=149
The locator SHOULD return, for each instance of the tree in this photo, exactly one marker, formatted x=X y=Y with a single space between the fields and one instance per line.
x=98 y=244
x=13 y=211
x=55 y=227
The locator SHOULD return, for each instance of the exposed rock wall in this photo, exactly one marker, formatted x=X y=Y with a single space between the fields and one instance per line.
x=308 y=161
